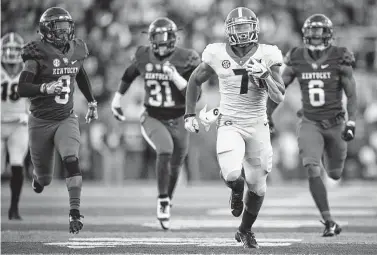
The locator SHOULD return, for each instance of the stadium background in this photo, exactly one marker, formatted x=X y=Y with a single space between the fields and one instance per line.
x=113 y=151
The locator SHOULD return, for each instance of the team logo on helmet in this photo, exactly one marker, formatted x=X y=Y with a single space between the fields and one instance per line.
x=225 y=64
x=149 y=67
x=56 y=62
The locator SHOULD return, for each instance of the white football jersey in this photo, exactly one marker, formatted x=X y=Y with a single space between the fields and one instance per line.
x=239 y=97
x=12 y=106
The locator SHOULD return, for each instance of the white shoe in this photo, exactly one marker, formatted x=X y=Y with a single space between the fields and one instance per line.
x=163 y=212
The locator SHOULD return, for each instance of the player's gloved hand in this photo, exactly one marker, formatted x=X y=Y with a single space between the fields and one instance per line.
x=52 y=88
x=207 y=118
x=257 y=69
x=92 y=113
x=349 y=131
x=169 y=69
x=116 y=109
x=191 y=123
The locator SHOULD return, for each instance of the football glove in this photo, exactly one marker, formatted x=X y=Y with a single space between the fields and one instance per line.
x=207 y=118
x=257 y=69
x=191 y=123
x=116 y=109
x=92 y=113
x=349 y=131
x=52 y=88
x=169 y=69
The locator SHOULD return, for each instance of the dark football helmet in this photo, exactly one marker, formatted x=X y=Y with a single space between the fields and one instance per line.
x=317 y=32
x=11 y=45
x=56 y=26
x=242 y=27
x=162 y=35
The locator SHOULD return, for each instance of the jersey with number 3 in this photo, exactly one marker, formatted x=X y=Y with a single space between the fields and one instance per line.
x=54 y=65
x=12 y=106
x=319 y=80
x=240 y=96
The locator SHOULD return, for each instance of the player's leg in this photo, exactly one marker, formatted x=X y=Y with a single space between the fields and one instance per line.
x=311 y=144
x=230 y=148
x=159 y=138
x=257 y=165
x=17 y=147
x=67 y=143
x=180 y=139
x=41 y=143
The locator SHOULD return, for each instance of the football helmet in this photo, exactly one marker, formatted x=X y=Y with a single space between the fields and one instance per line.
x=317 y=32
x=11 y=45
x=56 y=26
x=162 y=34
x=242 y=27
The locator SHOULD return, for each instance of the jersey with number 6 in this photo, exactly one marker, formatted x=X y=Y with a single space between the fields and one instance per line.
x=12 y=106
x=241 y=97
x=319 y=80
x=54 y=65
x=161 y=94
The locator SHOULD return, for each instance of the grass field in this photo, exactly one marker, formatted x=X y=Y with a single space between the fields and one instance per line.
x=121 y=220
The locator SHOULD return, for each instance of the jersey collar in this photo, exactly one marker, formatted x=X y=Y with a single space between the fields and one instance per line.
x=241 y=61
x=319 y=61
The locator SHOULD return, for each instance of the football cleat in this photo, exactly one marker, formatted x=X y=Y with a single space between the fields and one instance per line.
x=331 y=228
x=247 y=238
x=36 y=186
x=75 y=221
x=13 y=214
x=236 y=199
x=163 y=212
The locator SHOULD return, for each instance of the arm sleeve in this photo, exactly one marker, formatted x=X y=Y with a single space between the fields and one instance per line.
x=84 y=85
x=128 y=77
x=26 y=88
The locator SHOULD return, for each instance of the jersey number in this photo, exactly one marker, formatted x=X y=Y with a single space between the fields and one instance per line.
x=244 y=80
x=316 y=93
x=11 y=94
x=63 y=98
x=156 y=96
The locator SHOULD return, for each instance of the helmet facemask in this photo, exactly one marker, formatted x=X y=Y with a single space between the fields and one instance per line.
x=242 y=32
x=317 y=37
x=58 y=32
x=163 y=42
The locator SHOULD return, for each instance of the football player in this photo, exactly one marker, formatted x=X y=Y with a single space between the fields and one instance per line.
x=323 y=71
x=248 y=73
x=51 y=66
x=14 y=134
x=166 y=69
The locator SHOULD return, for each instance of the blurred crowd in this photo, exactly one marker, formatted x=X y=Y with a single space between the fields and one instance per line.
x=114 y=28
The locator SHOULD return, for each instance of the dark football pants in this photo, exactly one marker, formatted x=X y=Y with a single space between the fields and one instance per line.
x=166 y=136
x=44 y=135
x=316 y=143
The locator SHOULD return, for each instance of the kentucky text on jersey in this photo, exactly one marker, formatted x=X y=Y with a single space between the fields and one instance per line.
x=156 y=76
x=316 y=75
x=65 y=70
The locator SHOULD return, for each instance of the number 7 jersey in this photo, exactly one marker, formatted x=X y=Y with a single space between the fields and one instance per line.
x=240 y=97
x=319 y=80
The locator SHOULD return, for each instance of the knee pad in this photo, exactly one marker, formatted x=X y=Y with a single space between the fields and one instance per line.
x=71 y=163
x=232 y=175
x=259 y=186
x=313 y=170
x=335 y=174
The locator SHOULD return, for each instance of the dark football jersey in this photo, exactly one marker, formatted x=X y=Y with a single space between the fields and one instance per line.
x=161 y=94
x=54 y=65
x=321 y=89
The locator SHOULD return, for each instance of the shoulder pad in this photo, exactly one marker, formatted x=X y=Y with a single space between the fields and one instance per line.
x=192 y=59
x=347 y=57
x=32 y=50
x=210 y=51
x=140 y=54
x=81 y=48
x=273 y=55
x=288 y=57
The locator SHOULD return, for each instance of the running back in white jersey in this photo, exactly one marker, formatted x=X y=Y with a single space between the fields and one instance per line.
x=239 y=97
x=12 y=106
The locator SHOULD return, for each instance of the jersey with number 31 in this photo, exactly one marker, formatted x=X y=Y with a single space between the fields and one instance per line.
x=319 y=80
x=240 y=96
x=54 y=65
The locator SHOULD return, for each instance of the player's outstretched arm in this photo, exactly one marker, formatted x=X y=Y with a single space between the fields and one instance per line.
x=26 y=87
x=128 y=77
x=349 y=85
x=201 y=74
x=85 y=87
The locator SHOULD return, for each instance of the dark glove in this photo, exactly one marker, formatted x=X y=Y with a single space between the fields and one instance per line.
x=349 y=131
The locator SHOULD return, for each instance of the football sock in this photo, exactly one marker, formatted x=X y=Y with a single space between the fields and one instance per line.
x=253 y=203
x=163 y=173
x=174 y=174
x=319 y=193
x=236 y=185
x=16 y=185
x=74 y=185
